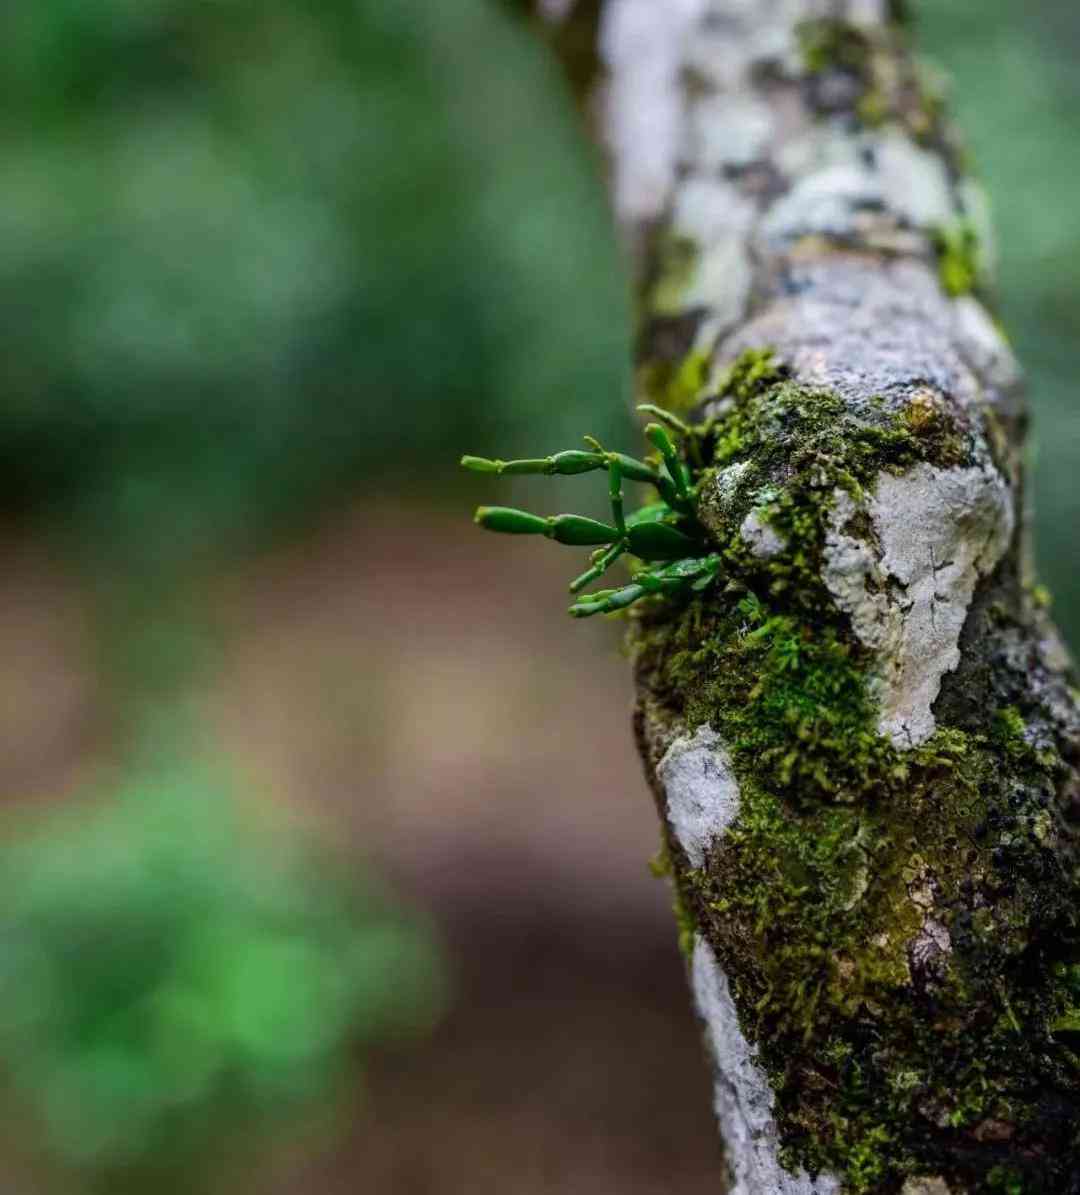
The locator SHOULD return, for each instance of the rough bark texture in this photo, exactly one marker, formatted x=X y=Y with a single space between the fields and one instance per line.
x=864 y=745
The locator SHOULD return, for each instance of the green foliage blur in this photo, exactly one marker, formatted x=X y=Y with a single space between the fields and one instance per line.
x=177 y=978
x=257 y=257
x=1017 y=97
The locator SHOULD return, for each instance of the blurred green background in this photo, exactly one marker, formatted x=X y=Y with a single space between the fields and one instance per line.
x=1017 y=98
x=266 y=271
x=262 y=257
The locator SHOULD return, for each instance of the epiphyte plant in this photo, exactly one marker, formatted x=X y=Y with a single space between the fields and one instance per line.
x=665 y=537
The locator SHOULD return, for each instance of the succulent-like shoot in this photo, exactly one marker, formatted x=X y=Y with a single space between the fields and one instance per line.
x=664 y=534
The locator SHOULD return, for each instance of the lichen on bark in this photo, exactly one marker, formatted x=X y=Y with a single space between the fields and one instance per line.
x=864 y=742
x=895 y=919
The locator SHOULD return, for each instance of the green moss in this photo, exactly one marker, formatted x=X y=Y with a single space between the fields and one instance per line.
x=774 y=417
x=892 y=87
x=867 y=1159
x=958 y=257
x=873 y=108
x=1007 y=1181
x=829 y=44
x=1069 y=976
x=806 y=717
x=818 y=892
x=676 y=265
x=900 y=12
x=931 y=94
x=1009 y=731
x=660 y=864
x=752 y=372
x=809 y=899
x=676 y=387
x=1042 y=597
x=1065 y=1025
x=685 y=922
x=940 y=439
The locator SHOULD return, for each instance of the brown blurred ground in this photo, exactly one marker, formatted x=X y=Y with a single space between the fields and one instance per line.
x=419 y=690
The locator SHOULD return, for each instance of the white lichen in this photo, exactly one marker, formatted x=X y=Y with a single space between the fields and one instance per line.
x=828 y=202
x=701 y=790
x=931 y=943
x=862 y=186
x=728 y=132
x=940 y=530
x=644 y=46
x=982 y=343
x=743 y=1099
x=914 y=181
x=1053 y=654
x=724 y=491
x=937 y=532
x=763 y=540
x=852 y=576
x=709 y=211
x=867 y=12
x=817 y=148
x=715 y=218
x=926 y=1186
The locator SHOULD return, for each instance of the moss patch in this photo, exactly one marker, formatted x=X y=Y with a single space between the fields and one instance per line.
x=887 y=85
x=685 y=922
x=829 y=44
x=677 y=259
x=676 y=386
x=958 y=258
x=901 y=941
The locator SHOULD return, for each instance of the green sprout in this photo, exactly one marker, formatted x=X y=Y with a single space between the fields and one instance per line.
x=664 y=536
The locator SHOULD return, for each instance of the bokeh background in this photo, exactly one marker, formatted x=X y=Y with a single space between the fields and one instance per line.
x=325 y=848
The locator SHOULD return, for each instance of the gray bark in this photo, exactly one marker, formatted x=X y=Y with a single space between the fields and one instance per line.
x=863 y=747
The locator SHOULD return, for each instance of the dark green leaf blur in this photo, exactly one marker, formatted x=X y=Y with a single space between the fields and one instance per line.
x=261 y=257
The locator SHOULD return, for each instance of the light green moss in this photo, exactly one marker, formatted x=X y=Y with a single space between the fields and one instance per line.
x=958 y=258
x=685 y=922
x=1009 y=730
x=829 y=44
x=677 y=259
x=866 y=1161
x=873 y=108
x=676 y=387
x=751 y=372
x=1042 y=597
x=892 y=87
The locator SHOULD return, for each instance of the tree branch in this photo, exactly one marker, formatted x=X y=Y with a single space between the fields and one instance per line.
x=864 y=742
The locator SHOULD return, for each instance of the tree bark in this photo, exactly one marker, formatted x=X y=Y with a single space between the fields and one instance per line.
x=864 y=744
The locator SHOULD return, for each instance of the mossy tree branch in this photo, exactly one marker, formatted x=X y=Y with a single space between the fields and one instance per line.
x=864 y=743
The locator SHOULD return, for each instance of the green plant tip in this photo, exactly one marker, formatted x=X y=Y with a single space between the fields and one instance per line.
x=672 y=421
x=509 y=521
x=479 y=464
x=664 y=535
